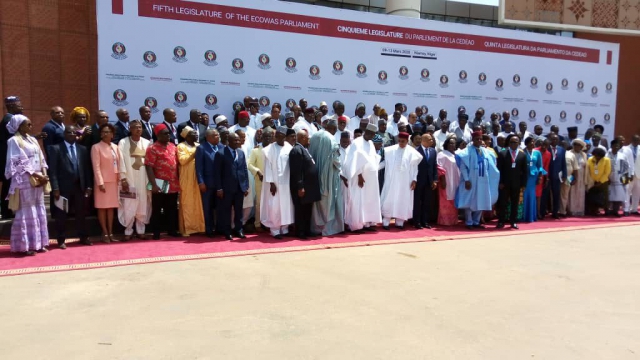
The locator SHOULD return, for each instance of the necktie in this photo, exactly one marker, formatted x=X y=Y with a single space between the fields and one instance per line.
x=635 y=152
x=235 y=153
x=74 y=159
x=148 y=126
x=426 y=151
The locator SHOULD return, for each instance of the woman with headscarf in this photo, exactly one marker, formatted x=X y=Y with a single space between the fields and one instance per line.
x=105 y=158
x=26 y=166
x=598 y=171
x=536 y=172
x=542 y=185
x=191 y=214
x=449 y=179
x=577 y=192
x=80 y=118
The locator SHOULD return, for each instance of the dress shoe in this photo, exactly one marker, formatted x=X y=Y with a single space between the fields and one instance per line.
x=175 y=234
x=369 y=229
x=86 y=241
x=514 y=226
x=385 y=227
x=500 y=225
x=279 y=237
x=43 y=250
x=314 y=234
x=228 y=237
x=240 y=234
x=426 y=226
x=62 y=246
x=210 y=235
x=156 y=236
x=557 y=217
x=626 y=213
x=400 y=227
x=479 y=226
x=470 y=227
x=419 y=227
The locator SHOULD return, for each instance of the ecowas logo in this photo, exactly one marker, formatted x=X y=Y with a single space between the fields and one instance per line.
x=361 y=71
x=237 y=66
x=179 y=54
x=149 y=59
x=211 y=102
x=152 y=103
x=514 y=113
x=120 y=98
x=264 y=104
x=549 y=88
x=424 y=75
x=180 y=99
x=609 y=88
x=290 y=65
x=563 y=116
x=578 y=118
x=564 y=84
x=594 y=91
x=210 y=58
x=404 y=73
x=533 y=82
x=580 y=86
x=516 y=80
x=237 y=106
x=607 y=118
x=382 y=77
x=592 y=121
x=290 y=104
x=118 y=51
x=314 y=72
x=338 y=67
x=444 y=81
x=532 y=115
x=547 y=120
x=482 y=79
x=499 y=85
x=462 y=76
x=263 y=62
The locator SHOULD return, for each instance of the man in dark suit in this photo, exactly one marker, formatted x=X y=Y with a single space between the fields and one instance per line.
x=103 y=118
x=54 y=129
x=170 y=119
x=122 y=126
x=513 y=167
x=557 y=171
x=195 y=118
x=304 y=184
x=207 y=156
x=147 y=126
x=232 y=185
x=71 y=177
x=426 y=182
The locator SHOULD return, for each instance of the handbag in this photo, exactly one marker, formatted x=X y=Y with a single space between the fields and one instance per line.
x=34 y=181
x=14 y=200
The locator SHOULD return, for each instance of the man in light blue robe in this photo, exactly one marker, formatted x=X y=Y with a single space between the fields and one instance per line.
x=479 y=180
x=328 y=213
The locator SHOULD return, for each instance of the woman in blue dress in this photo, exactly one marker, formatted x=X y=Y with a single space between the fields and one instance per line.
x=536 y=171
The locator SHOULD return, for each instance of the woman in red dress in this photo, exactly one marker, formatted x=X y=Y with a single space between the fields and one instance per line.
x=542 y=145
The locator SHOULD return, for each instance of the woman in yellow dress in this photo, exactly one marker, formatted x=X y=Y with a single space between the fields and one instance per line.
x=191 y=215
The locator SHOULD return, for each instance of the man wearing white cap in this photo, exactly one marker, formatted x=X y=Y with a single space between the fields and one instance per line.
x=324 y=108
x=361 y=171
x=221 y=120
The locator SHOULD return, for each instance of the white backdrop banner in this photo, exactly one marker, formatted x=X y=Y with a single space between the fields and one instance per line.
x=211 y=54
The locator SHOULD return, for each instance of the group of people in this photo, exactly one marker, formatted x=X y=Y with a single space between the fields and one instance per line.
x=305 y=173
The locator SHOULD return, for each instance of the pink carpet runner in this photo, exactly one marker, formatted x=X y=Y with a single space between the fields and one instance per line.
x=78 y=256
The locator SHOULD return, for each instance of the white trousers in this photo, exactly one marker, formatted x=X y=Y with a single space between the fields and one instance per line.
x=282 y=230
x=140 y=227
x=633 y=192
x=387 y=221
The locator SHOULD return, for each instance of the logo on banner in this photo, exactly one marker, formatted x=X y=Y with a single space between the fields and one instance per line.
x=482 y=79
x=578 y=118
x=404 y=108
x=314 y=72
x=237 y=106
x=547 y=120
x=609 y=88
x=290 y=65
x=564 y=84
x=594 y=91
x=361 y=71
x=211 y=102
x=404 y=73
x=264 y=104
x=462 y=110
x=516 y=80
x=149 y=58
x=179 y=54
x=237 y=66
x=563 y=116
x=444 y=81
x=549 y=88
x=514 y=113
x=592 y=121
x=338 y=67
x=382 y=77
x=532 y=115
x=180 y=99
x=120 y=98
x=580 y=86
x=499 y=85
x=263 y=62
x=118 y=51
x=290 y=104
x=534 y=82
x=210 y=58
x=425 y=110
x=607 y=118
x=424 y=75
x=462 y=76
x=152 y=103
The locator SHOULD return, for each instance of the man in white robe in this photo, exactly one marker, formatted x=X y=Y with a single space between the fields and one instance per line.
x=401 y=164
x=342 y=127
x=355 y=121
x=276 y=205
x=132 y=173
x=306 y=122
x=441 y=135
x=633 y=155
x=361 y=171
x=345 y=143
x=243 y=124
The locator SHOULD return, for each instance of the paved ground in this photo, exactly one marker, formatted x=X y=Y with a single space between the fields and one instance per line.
x=571 y=295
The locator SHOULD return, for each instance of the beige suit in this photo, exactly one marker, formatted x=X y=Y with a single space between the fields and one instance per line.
x=255 y=165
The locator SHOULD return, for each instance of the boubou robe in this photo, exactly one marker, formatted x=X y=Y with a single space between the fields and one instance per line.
x=401 y=168
x=364 y=203
x=276 y=211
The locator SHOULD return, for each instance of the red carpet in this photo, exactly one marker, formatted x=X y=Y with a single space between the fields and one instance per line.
x=195 y=247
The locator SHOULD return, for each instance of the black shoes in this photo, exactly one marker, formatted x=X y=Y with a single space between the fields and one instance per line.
x=514 y=226
x=385 y=227
x=240 y=234
x=279 y=237
x=500 y=225
x=228 y=237
x=369 y=228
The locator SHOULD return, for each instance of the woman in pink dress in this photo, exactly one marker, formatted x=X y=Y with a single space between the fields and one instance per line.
x=546 y=160
x=449 y=179
x=105 y=158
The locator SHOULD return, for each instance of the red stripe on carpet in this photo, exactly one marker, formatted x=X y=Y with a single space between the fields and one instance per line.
x=136 y=252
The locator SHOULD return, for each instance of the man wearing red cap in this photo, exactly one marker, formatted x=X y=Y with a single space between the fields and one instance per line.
x=243 y=124
x=401 y=164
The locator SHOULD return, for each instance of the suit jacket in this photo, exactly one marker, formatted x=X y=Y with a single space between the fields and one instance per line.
x=172 y=137
x=303 y=175
x=201 y=129
x=557 y=165
x=145 y=133
x=231 y=176
x=207 y=157
x=95 y=134
x=61 y=172
x=105 y=168
x=509 y=176
x=121 y=133
x=55 y=135
x=427 y=168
